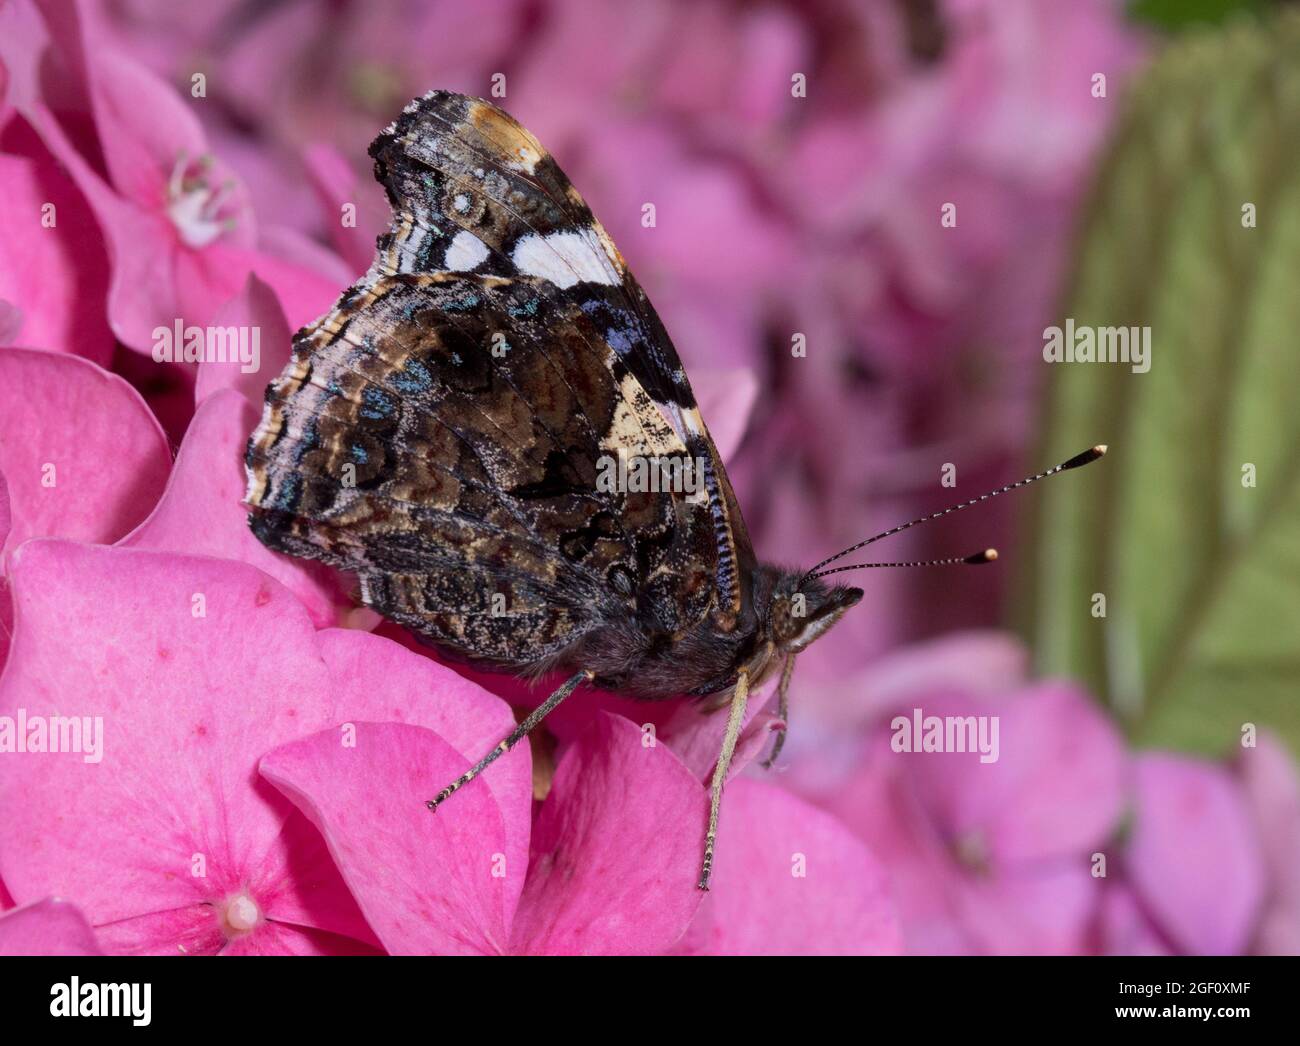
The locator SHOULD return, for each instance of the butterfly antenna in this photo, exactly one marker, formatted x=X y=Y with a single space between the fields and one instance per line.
x=1078 y=461
x=987 y=556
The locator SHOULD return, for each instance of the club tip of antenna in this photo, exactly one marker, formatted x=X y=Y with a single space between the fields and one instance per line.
x=987 y=556
x=1089 y=455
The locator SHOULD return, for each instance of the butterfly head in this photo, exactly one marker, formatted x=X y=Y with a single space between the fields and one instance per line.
x=799 y=609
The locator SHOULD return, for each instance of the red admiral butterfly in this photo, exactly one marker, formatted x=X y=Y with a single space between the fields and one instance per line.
x=445 y=434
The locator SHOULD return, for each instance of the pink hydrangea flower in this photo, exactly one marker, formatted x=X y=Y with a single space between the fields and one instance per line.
x=216 y=859
x=612 y=861
x=179 y=229
x=609 y=867
x=984 y=856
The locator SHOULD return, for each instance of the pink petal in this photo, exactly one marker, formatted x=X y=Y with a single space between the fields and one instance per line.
x=255 y=308
x=1056 y=789
x=616 y=849
x=882 y=809
x=409 y=688
x=1060 y=782
x=695 y=735
x=6 y=603
x=188 y=930
x=1125 y=928
x=1193 y=856
x=976 y=663
x=442 y=883
x=47 y=927
x=54 y=279
x=109 y=456
x=1043 y=909
x=276 y=938
x=201 y=511
x=335 y=184
x=791 y=880
x=725 y=399
x=11 y=322
x=144 y=128
x=6 y=513
x=287 y=244
x=305 y=293
x=141 y=123
x=1268 y=777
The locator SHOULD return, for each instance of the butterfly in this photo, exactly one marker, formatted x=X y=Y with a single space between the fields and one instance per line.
x=444 y=431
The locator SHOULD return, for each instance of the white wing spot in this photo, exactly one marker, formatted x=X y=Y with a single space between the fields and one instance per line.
x=564 y=258
x=465 y=253
x=461 y=202
x=528 y=158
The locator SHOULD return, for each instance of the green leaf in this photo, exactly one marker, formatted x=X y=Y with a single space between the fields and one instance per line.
x=1201 y=573
x=1179 y=14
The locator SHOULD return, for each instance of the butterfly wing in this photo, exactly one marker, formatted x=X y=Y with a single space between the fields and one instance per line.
x=440 y=430
x=473 y=190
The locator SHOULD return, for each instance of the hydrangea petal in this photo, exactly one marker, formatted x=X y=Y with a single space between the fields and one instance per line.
x=725 y=399
x=1058 y=787
x=427 y=882
x=1193 y=857
x=83 y=456
x=791 y=880
x=695 y=735
x=1042 y=909
x=278 y=938
x=257 y=308
x=54 y=275
x=1125 y=928
x=411 y=688
x=615 y=850
x=188 y=930
x=47 y=927
x=201 y=511
x=1055 y=789
x=1268 y=776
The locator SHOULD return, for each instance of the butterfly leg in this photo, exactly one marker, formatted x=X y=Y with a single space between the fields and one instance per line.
x=507 y=743
x=783 y=710
x=735 y=717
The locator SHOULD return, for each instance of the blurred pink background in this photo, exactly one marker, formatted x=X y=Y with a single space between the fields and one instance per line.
x=776 y=215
